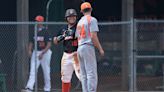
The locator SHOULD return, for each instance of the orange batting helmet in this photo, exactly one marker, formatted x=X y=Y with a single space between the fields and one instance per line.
x=86 y=5
x=39 y=18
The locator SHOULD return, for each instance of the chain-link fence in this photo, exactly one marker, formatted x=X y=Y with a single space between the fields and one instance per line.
x=113 y=70
x=132 y=62
x=148 y=40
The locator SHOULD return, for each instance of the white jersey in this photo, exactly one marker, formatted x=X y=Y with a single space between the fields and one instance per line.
x=85 y=26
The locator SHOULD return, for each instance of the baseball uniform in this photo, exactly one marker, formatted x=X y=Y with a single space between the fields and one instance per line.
x=69 y=62
x=43 y=38
x=86 y=53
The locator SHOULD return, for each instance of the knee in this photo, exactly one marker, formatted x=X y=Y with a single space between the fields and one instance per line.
x=66 y=79
x=47 y=78
x=32 y=73
x=83 y=77
x=92 y=76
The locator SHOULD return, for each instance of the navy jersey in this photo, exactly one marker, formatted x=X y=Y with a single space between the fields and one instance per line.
x=70 y=42
x=43 y=37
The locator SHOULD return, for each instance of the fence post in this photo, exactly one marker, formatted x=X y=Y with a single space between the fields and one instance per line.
x=135 y=54
x=131 y=75
x=35 y=50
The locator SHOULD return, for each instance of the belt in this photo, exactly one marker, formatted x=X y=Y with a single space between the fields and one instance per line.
x=86 y=44
x=69 y=52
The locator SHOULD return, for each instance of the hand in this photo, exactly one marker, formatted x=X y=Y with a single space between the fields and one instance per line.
x=40 y=56
x=64 y=33
x=101 y=52
x=55 y=40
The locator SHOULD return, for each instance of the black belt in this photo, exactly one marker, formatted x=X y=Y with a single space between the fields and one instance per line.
x=69 y=51
x=86 y=44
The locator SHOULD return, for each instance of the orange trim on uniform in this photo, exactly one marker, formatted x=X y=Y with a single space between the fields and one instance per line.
x=89 y=24
x=82 y=32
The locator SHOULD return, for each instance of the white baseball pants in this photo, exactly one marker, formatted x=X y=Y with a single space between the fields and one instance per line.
x=45 y=64
x=69 y=64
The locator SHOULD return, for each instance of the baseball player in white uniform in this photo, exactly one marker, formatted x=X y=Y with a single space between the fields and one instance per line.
x=69 y=62
x=87 y=29
x=43 y=56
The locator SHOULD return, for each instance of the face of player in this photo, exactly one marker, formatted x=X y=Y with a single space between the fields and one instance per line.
x=39 y=24
x=71 y=19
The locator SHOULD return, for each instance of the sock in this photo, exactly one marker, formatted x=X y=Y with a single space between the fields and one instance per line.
x=66 y=87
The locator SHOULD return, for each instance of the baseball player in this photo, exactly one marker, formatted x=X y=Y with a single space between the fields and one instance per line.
x=87 y=29
x=43 y=56
x=69 y=61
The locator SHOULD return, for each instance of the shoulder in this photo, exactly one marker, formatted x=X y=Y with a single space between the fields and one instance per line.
x=62 y=29
x=82 y=19
x=93 y=19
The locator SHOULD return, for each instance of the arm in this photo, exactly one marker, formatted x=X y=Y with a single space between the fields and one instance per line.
x=94 y=29
x=47 y=47
x=96 y=42
x=45 y=50
x=30 y=47
x=58 y=39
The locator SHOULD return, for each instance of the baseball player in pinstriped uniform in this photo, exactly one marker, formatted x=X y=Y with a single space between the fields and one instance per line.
x=43 y=56
x=69 y=61
x=87 y=29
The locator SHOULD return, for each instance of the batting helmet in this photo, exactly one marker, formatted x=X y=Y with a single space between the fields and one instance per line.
x=70 y=12
x=39 y=18
x=85 y=5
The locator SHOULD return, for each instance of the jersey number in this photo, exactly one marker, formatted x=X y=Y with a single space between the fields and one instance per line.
x=74 y=43
x=82 y=29
x=82 y=32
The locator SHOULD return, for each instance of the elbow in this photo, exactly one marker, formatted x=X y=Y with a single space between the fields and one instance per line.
x=55 y=42
x=93 y=35
x=49 y=45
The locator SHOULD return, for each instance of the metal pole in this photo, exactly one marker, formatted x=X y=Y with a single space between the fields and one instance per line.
x=127 y=15
x=47 y=11
x=163 y=76
x=135 y=56
x=131 y=75
x=35 y=51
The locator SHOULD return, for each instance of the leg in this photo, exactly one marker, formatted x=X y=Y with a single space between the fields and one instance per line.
x=31 y=81
x=82 y=69
x=46 y=70
x=66 y=72
x=91 y=69
x=76 y=65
